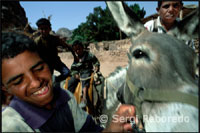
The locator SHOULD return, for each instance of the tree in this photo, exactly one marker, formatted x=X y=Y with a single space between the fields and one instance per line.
x=136 y=9
x=100 y=26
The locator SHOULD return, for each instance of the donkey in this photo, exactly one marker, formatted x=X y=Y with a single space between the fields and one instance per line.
x=160 y=76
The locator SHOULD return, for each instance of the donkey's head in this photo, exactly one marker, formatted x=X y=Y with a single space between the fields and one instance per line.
x=161 y=69
x=158 y=61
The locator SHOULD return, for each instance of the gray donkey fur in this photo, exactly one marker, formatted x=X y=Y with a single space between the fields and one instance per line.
x=158 y=62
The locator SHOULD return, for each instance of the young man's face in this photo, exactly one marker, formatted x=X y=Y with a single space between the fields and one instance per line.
x=44 y=30
x=78 y=49
x=28 y=77
x=169 y=11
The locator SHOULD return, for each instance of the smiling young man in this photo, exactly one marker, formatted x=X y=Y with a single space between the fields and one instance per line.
x=168 y=12
x=38 y=104
x=33 y=74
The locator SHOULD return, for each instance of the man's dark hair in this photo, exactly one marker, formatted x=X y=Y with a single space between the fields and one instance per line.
x=43 y=21
x=14 y=44
x=77 y=42
x=160 y=3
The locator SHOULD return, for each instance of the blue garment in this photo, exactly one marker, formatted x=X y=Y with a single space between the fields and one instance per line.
x=84 y=67
x=63 y=69
x=57 y=119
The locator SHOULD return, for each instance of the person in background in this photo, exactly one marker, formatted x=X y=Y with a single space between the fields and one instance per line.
x=168 y=12
x=39 y=105
x=83 y=67
x=48 y=43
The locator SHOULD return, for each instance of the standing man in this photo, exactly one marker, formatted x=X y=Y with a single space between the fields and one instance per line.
x=48 y=43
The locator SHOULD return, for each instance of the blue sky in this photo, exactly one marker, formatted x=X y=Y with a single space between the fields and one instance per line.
x=70 y=14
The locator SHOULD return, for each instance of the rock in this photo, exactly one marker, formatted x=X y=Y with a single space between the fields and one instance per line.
x=13 y=16
x=64 y=32
x=117 y=45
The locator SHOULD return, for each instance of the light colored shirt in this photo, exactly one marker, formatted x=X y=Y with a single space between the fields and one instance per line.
x=156 y=26
x=23 y=117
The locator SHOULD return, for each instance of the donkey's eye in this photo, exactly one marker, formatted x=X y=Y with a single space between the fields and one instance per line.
x=139 y=54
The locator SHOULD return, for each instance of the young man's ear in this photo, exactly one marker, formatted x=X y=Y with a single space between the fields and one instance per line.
x=4 y=89
x=181 y=7
x=157 y=9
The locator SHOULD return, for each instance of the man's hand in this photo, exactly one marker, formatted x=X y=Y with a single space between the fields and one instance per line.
x=96 y=68
x=121 y=123
x=77 y=76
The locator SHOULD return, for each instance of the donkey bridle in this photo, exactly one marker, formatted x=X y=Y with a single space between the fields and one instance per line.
x=153 y=95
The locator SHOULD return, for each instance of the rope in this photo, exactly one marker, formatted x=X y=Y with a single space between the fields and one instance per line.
x=158 y=95
x=83 y=79
x=104 y=89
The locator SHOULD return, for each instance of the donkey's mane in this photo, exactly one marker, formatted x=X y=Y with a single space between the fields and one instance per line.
x=116 y=72
x=113 y=82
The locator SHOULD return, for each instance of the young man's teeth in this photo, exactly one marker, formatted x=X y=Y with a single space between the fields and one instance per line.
x=40 y=91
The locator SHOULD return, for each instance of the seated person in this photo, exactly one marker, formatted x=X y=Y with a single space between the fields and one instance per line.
x=83 y=67
x=38 y=105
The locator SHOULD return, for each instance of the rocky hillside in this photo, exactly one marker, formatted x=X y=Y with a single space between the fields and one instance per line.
x=64 y=32
x=13 y=15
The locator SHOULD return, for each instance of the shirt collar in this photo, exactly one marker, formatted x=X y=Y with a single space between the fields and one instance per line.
x=161 y=28
x=35 y=116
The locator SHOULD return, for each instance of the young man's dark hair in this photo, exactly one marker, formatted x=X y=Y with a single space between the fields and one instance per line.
x=77 y=42
x=160 y=3
x=14 y=44
x=43 y=21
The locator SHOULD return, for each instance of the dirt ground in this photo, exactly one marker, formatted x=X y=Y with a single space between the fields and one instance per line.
x=108 y=60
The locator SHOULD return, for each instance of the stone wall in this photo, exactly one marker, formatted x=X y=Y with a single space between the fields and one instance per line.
x=117 y=45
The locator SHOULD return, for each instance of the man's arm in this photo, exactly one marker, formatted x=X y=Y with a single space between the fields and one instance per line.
x=95 y=63
x=69 y=47
x=84 y=122
x=75 y=70
x=12 y=121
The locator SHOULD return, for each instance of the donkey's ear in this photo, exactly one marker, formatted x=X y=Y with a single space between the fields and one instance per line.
x=126 y=19
x=188 y=28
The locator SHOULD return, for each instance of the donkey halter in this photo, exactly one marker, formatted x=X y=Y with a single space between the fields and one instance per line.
x=142 y=94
